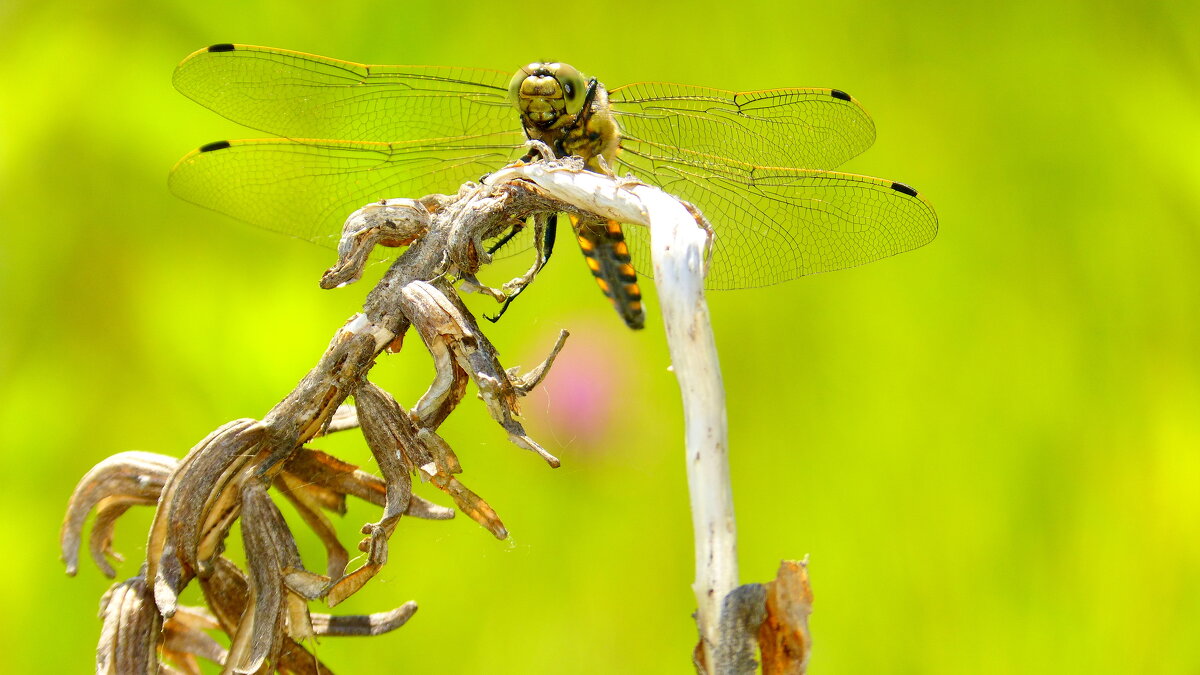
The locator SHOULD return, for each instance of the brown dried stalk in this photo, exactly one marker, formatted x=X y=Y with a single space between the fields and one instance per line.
x=229 y=474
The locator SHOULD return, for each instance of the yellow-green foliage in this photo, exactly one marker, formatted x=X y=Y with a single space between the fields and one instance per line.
x=990 y=447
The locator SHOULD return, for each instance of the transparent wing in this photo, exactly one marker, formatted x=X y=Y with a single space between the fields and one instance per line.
x=777 y=224
x=306 y=188
x=800 y=128
x=299 y=95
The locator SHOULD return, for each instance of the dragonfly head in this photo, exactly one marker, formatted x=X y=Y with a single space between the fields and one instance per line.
x=548 y=94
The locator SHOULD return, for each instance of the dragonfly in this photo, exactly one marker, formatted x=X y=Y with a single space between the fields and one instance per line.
x=758 y=164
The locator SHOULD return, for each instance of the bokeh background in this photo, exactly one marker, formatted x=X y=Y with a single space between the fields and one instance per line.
x=989 y=447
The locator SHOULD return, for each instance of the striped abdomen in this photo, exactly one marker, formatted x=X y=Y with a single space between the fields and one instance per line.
x=607 y=256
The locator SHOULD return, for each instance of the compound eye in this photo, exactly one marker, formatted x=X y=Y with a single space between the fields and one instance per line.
x=573 y=85
x=514 y=85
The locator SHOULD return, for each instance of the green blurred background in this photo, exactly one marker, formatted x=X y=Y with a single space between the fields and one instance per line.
x=990 y=447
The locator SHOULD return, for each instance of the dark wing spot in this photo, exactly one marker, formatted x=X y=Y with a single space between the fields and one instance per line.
x=216 y=145
x=223 y=47
x=904 y=189
x=838 y=93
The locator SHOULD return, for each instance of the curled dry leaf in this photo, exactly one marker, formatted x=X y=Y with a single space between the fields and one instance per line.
x=307 y=500
x=129 y=637
x=184 y=639
x=175 y=534
x=125 y=479
x=272 y=608
x=370 y=624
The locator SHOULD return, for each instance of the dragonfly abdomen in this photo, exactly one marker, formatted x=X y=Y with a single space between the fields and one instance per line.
x=607 y=257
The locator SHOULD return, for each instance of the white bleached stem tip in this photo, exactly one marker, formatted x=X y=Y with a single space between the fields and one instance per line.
x=679 y=249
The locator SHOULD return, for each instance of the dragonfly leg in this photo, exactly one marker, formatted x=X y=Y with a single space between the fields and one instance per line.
x=545 y=229
x=471 y=284
x=516 y=228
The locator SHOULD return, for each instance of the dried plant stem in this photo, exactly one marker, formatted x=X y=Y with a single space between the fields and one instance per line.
x=678 y=249
x=680 y=240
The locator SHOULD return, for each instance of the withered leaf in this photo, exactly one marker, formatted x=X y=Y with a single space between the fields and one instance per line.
x=784 y=637
x=127 y=477
x=270 y=549
x=308 y=506
x=175 y=532
x=130 y=635
x=363 y=625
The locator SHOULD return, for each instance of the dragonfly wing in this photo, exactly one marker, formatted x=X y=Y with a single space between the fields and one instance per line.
x=774 y=225
x=307 y=188
x=809 y=128
x=300 y=95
